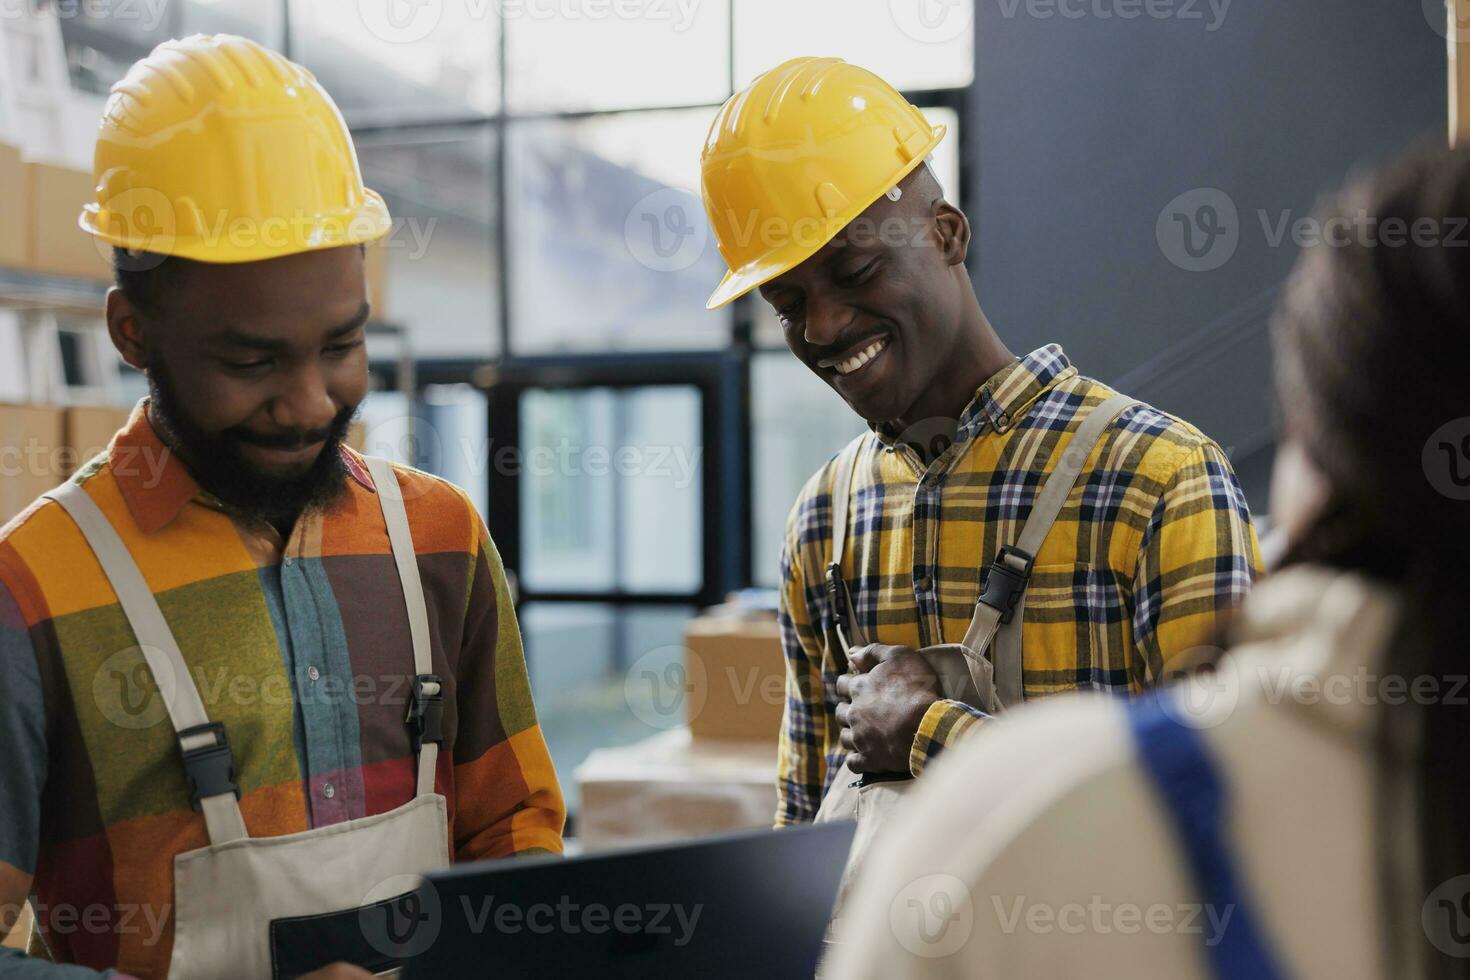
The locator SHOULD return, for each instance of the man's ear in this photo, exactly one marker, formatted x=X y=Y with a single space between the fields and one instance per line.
x=125 y=329
x=954 y=232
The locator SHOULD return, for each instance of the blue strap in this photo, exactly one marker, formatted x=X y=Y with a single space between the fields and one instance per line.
x=1179 y=766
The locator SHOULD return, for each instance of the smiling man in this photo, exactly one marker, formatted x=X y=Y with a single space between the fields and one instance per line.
x=252 y=683
x=982 y=508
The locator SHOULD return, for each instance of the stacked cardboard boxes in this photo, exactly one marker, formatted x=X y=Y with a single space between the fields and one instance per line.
x=32 y=457
x=40 y=446
x=715 y=773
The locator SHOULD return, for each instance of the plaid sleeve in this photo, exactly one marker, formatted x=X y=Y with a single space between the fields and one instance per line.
x=507 y=798
x=801 y=769
x=1197 y=558
x=945 y=723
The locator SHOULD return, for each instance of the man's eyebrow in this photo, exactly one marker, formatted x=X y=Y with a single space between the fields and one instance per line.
x=235 y=337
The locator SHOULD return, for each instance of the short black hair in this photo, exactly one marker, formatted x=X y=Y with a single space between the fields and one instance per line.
x=145 y=278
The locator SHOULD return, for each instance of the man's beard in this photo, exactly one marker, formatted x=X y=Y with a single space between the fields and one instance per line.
x=217 y=465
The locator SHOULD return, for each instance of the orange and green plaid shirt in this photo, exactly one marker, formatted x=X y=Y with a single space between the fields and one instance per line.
x=1154 y=543
x=300 y=647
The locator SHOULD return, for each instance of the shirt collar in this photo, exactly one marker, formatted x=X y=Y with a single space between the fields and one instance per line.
x=1005 y=395
x=154 y=483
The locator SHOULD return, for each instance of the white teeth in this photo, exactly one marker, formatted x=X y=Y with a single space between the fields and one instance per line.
x=861 y=357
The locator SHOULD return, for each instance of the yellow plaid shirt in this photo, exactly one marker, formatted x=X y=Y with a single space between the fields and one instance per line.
x=1154 y=543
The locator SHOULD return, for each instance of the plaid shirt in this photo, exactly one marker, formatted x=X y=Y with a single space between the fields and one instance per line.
x=1154 y=543
x=300 y=647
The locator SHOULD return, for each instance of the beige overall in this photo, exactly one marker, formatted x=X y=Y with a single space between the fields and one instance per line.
x=984 y=669
x=260 y=906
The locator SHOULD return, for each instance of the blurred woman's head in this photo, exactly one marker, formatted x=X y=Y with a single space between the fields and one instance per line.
x=1372 y=353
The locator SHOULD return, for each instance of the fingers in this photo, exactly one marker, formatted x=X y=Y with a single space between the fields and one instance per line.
x=843 y=710
x=847 y=741
x=857 y=762
x=844 y=686
x=864 y=659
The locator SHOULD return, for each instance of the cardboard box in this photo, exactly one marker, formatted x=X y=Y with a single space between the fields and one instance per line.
x=737 y=678
x=673 y=786
x=89 y=430
x=31 y=441
x=14 y=217
x=56 y=246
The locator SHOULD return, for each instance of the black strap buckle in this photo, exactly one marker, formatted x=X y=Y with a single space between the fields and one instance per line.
x=1003 y=583
x=834 y=593
x=425 y=710
x=210 y=769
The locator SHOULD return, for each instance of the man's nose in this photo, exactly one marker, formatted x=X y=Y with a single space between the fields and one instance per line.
x=826 y=321
x=304 y=404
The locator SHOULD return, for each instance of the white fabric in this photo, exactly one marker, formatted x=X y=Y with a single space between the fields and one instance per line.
x=226 y=895
x=390 y=499
x=1048 y=845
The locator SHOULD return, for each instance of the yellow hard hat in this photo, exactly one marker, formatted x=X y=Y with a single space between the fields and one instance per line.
x=790 y=161
x=217 y=149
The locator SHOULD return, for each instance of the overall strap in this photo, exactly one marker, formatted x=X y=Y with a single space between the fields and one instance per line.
x=998 y=613
x=844 y=622
x=208 y=763
x=425 y=718
x=1179 y=766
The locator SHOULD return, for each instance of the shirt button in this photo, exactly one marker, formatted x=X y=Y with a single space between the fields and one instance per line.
x=289 y=562
x=328 y=790
x=313 y=673
x=924 y=583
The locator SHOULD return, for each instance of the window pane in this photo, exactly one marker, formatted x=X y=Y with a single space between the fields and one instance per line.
x=566 y=513
x=797 y=423
x=661 y=517
x=579 y=656
x=101 y=43
x=388 y=61
x=913 y=44
x=611 y=490
x=259 y=20
x=611 y=246
x=454 y=437
x=442 y=275
x=579 y=54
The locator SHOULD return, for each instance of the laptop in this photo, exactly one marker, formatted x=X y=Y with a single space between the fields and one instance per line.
x=753 y=904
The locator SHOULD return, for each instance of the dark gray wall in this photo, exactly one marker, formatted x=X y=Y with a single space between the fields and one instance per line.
x=1086 y=127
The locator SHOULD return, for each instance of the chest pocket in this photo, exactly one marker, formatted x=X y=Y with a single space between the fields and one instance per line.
x=1076 y=632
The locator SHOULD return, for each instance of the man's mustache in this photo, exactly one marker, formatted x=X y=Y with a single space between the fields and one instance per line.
x=293 y=439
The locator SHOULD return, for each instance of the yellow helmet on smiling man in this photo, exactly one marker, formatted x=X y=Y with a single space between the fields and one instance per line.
x=217 y=149
x=793 y=159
